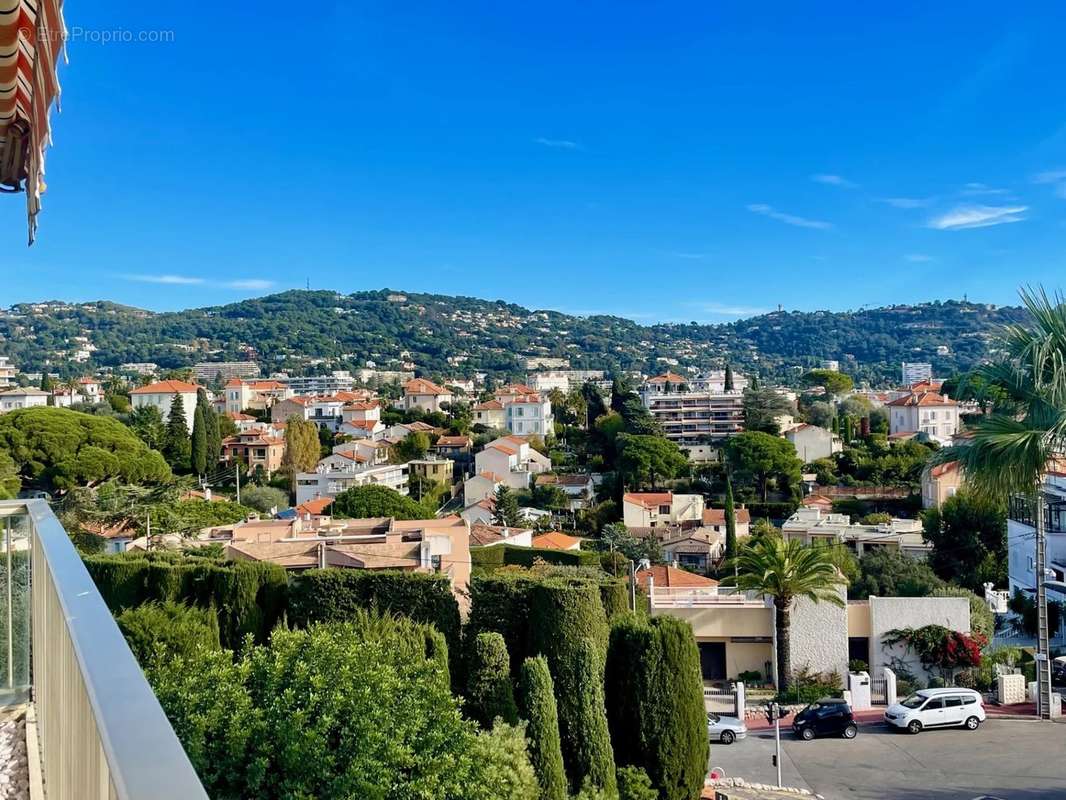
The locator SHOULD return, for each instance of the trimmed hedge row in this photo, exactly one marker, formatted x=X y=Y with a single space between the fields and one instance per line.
x=249 y=597
x=506 y=555
x=333 y=595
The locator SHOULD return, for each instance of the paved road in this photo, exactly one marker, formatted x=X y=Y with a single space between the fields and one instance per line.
x=1004 y=759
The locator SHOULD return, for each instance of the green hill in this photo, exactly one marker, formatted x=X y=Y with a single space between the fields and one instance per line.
x=304 y=331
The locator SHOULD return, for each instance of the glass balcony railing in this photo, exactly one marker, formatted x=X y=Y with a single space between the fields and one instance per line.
x=1020 y=509
x=101 y=733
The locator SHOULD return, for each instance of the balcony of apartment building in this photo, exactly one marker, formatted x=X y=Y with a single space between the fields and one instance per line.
x=1020 y=509
x=94 y=729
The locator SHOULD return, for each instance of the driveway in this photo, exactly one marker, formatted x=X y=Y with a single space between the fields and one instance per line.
x=1004 y=759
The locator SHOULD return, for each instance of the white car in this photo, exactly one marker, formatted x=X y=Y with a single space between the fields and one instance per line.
x=937 y=708
x=725 y=729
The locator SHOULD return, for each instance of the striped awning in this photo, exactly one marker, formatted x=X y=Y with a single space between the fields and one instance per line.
x=32 y=36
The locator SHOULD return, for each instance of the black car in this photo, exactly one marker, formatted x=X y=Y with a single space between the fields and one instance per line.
x=829 y=716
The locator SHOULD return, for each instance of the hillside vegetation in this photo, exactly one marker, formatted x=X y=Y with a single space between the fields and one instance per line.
x=456 y=336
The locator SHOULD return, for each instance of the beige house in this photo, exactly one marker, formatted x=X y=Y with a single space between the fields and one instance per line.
x=241 y=394
x=491 y=415
x=160 y=396
x=424 y=394
x=814 y=526
x=14 y=399
x=256 y=449
x=940 y=482
x=437 y=470
x=812 y=442
x=655 y=509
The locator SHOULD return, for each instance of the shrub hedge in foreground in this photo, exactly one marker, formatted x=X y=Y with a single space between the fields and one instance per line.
x=505 y=555
x=168 y=629
x=249 y=597
x=489 y=693
x=536 y=697
x=655 y=703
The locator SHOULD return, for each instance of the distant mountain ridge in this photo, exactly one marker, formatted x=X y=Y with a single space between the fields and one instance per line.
x=444 y=336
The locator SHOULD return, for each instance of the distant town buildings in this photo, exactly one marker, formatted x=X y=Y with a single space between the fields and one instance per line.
x=207 y=372
x=814 y=526
x=562 y=379
x=14 y=399
x=831 y=364
x=915 y=372
x=425 y=395
x=812 y=442
x=691 y=417
x=336 y=381
x=7 y=372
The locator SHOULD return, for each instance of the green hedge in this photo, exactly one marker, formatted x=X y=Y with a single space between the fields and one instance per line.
x=536 y=695
x=249 y=597
x=505 y=555
x=167 y=630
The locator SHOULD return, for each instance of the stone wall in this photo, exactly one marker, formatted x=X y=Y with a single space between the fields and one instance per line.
x=887 y=613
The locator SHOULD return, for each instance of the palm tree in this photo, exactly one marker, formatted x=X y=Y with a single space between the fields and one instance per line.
x=1008 y=451
x=786 y=571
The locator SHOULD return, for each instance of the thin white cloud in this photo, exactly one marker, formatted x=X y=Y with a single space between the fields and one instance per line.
x=558 y=144
x=788 y=219
x=962 y=217
x=171 y=280
x=918 y=258
x=727 y=309
x=981 y=190
x=834 y=180
x=1056 y=177
x=907 y=202
x=249 y=283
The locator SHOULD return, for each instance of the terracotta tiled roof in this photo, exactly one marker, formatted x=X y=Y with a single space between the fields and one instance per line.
x=167 y=387
x=812 y=500
x=502 y=448
x=667 y=576
x=364 y=423
x=555 y=540
x=315 y=507
x=716 y=516
x=649 y=499
x=667 y=377
x=481 y=534
x=236 y=417
x=489 y=405
x=423 y=386
x=943 y=469
x=234 y=382
x=453 y=441
x=923 y=399
x=266 y=386
x=515 y=388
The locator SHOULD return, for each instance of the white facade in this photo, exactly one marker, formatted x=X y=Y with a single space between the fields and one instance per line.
x=7 y=372
x=813 y=526
x=655 y=509
x=14 y=399
x=562 y=379
x=161 y=396
x=530 y=416
x=812 y=442
x=339 y=381
x=331 y=482
x=491 y=415
x=924 y=412
x=1021 y=537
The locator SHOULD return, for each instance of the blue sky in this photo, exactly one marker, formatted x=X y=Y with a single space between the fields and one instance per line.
x=666 y=161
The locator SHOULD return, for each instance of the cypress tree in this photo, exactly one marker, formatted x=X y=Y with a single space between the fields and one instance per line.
x=489 y=692
x=176 y=444
x=214 y=438
x=729 y=377
x=569 y=627
x=655 y=703
x=198 y=447
x=730 y=521
x=536 y=694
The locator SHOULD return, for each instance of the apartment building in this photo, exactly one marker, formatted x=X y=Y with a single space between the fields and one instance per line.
x=329 y=480
x=660 y=509
x=924 y=411
x=912 y=372
x=562 y=379
x=207 y=372
x=7 y=372
x=326 y=411
x=814 y=526
x=692 y=418
x=1021 y=534
x=161 y=395
x=336 y=381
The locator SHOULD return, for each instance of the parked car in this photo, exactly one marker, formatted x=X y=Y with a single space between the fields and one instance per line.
x=830 y=716
x=1058 y=671
x=937 y=708
x=725 y=729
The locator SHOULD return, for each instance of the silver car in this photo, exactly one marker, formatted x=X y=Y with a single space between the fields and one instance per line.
x=725 y=729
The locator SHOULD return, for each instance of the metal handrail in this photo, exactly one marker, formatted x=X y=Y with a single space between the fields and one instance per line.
x=85 y=680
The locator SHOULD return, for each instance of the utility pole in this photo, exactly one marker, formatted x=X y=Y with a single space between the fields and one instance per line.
x=632 y=585
x=1043 y=658
x=237 y=475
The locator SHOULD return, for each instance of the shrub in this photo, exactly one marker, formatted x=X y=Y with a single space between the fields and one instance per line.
x=510 y=555
x=501 y=766
x=501 y=602
x=586 y=742
x=168 y=629
x=536 y=695
x=750 y=676
x=264 y=498
x=634 y=784
x=333 y=595
x=489 y=694
x=373 y=500
x=858 y=665
x=655 y=703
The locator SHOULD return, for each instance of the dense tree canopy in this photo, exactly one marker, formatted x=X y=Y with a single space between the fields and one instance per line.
x=756 y=458
x=969 y=538
x=55 y=448
x=377 y=501
x=644 y=459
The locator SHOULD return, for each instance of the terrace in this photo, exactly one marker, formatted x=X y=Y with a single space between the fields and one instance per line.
x=99 y=731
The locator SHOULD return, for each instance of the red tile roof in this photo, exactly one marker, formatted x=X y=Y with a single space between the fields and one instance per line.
x=502 y=448
x=167 y=387
x=943 y=469
x=315 y=507
x=923 y=399
x=667 y=377
x=423 y=386
x=453 y=441
x=716 y=516
x=555 y=540
x=649 y=499
x=489 y=405
x=667 y=576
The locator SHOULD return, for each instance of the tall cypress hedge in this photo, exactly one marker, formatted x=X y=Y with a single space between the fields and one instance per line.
x=536 y=697
x=332 y=595
x=568 y=626
x=249 y=597
x=489 y=692
x=500 y=555
x=655 y=704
